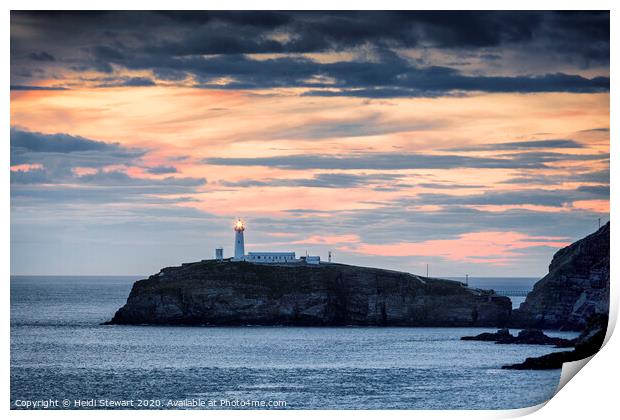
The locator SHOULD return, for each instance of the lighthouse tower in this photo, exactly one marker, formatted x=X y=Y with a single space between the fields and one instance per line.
x=239 y=245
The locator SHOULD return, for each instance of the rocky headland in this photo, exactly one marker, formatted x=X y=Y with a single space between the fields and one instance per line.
x=240 y=293
x=575 y=289
x=573 y=296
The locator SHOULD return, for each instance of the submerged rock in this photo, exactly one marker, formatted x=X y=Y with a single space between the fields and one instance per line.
x=532 y=336
x=576 y=287
x=240 y=293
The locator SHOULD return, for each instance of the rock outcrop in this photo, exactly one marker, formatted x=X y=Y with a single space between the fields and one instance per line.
x=576 y=288
x=240 y=293
x=528 y=336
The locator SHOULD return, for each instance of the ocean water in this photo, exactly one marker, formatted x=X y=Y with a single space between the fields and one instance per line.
x=60 y=352
x=518 y=284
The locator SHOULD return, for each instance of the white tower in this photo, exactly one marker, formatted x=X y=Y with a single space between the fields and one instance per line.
x=239 y=245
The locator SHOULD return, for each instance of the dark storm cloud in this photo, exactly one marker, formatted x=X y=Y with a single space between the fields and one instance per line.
x=212 y=45
x=392 y=76
x=394 y=161
x=331 y=30
x=437 y=81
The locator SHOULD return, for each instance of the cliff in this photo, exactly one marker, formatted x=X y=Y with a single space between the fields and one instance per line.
x=240 y=293
x=576 y=288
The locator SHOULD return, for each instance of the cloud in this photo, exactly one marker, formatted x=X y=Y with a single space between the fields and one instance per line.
x=600 y=129
x=248 y=32
x=51 y=167
x=381 y=181
x=203 y=49
x=56 y=195
x=599 y=177
x=41 y=56
x=433 y=82
x=523 y=145
x=118 y=178
x=320 y=180
x=535 y=197
x=372 y=124
x=59 y=153
x=26 y=87
x=161 y=169
x=129 y=82
x=396 y=161
x=60 y=143
x=447 y=186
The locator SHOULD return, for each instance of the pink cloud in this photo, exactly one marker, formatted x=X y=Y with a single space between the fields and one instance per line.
x=478 y=247
x=81 y=171
x=26 y=167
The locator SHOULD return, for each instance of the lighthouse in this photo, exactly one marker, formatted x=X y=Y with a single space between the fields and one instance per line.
x=239 y=245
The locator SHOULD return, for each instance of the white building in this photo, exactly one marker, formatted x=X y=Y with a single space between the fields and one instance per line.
x=312 y=259
x=270 y=257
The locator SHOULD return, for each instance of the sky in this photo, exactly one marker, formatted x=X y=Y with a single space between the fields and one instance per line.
x=474 y=142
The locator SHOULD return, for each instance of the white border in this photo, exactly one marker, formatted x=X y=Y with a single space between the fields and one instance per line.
x=592 y=395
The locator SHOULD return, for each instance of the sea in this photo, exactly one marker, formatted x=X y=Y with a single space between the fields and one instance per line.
x=62 y=357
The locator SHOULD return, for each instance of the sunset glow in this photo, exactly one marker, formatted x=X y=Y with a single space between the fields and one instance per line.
x=123 y=147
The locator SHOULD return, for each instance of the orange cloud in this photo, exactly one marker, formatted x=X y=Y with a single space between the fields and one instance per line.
x=598 y=206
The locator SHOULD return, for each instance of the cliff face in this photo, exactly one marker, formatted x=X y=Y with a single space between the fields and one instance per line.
x=240 y=293
x=576 y=287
